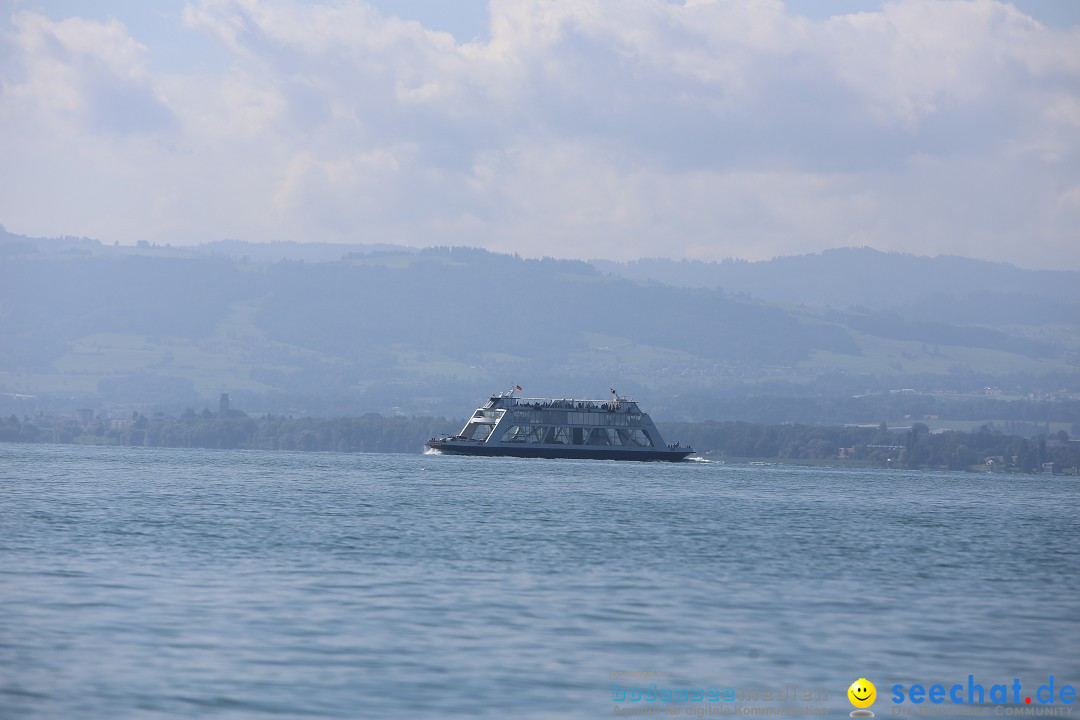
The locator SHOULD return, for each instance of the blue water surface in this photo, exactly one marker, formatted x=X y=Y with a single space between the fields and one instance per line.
x=146 y=583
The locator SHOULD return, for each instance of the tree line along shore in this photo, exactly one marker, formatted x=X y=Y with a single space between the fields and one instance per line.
x=912 y=447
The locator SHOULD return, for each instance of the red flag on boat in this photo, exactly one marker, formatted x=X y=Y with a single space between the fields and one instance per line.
x=518 y=387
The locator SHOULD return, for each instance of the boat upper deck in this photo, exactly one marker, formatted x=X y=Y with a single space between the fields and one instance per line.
x=504 y=401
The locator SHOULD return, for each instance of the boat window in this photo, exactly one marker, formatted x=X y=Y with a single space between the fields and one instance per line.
x=477 y=431
x=599 y=436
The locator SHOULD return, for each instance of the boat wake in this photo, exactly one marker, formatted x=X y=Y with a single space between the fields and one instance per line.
x=432 y=451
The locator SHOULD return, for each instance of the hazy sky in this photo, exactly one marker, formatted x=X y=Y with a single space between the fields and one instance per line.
x=573 y=128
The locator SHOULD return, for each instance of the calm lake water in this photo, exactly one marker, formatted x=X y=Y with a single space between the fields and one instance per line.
x=180 y=583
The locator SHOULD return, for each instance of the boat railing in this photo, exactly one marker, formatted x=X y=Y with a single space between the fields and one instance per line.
x=624 y=404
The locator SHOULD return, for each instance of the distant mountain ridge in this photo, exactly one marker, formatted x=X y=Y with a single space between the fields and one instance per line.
x=267 y=252
x=847 y=277
x=838 y=278
x=329 y=328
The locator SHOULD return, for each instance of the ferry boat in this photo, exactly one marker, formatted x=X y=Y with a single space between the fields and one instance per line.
x=511 y=426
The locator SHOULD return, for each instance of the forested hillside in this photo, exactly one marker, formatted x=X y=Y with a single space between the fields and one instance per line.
x=358 y=329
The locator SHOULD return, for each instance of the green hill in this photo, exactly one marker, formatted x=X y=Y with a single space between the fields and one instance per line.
x=395 y=330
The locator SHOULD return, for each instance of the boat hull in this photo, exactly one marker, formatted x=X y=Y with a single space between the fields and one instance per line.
x=565 y=453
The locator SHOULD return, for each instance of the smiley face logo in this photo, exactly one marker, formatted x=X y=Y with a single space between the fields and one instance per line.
x=862 y=693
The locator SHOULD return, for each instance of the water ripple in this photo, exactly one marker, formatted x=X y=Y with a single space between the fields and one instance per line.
x=168 y=583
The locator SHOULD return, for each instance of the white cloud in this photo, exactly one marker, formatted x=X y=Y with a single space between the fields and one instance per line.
x=80 y=76
x=577 y=128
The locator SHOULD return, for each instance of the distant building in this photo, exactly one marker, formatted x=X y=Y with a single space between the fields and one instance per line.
x=223 y=404
x=85 y=416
